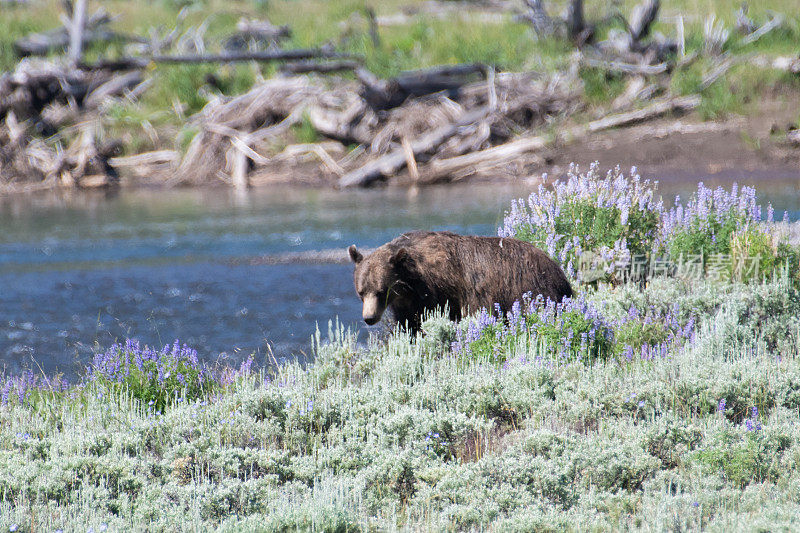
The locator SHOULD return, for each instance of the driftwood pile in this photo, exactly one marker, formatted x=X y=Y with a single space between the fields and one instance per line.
x=442 y=113
x=42 y=100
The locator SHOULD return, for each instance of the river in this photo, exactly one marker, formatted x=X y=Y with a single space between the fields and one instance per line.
x=79 y=272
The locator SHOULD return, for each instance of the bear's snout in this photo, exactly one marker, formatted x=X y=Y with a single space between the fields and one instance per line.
x=372 y=310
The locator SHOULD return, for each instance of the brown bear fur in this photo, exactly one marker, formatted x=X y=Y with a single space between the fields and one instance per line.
x=421 y=271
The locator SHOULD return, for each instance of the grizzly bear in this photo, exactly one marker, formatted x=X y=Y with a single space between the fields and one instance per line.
x=424 y=270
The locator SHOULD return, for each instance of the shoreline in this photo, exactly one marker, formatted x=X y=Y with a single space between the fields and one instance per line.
x=673 y=146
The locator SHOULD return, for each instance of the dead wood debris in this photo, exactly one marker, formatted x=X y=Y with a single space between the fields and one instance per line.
x=50 y=133
x=238 y=137
x=436 y=124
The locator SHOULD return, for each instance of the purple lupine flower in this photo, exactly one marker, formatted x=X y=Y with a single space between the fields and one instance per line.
x=721 y=406
x=752 y=423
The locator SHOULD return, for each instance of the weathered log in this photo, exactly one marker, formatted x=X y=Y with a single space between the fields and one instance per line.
x=721 y=68
x=271 y=55
x=304 y=67
x=128 y=63
x=506 y=152
x=387 y=94
x=113 y=65
x=396 y=159
x=627 y=68
x=113 y=87
x=158 y=157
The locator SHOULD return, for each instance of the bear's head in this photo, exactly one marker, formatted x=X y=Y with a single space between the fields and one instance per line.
x=378 y=279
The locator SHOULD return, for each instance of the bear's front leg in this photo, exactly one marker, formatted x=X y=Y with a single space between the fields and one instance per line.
x=409 y=317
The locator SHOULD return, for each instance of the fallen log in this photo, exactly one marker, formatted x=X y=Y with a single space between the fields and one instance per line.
x=719 y=71
x=40 y=44
x=627 y=68
x=506 y=152
x=113 y=87
x=158 y=157
x=396 y=159
x=306 y=67
x=387 y=94
x=271 y=55
x=130 y=63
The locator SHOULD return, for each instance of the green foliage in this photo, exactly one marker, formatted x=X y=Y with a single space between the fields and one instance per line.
x=742 y=458
x=155 y=378
x=304 y=132
x=601 y=86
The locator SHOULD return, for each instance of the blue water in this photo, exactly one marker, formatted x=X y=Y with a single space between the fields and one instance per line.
x=80 y=272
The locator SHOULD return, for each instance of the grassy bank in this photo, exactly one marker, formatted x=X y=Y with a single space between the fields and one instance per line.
x=421 y=40
x=659 y=405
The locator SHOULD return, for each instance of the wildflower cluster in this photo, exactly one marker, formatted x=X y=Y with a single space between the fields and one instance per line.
x=572 y=329
x=22 y=387
x=613 y=229
x=646 y=334
x=155 y=377
x=752 y=423
x=613 y=218
x=723 y=228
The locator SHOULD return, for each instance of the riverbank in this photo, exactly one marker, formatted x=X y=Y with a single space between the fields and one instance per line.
x=411 y=435
x=492 y=94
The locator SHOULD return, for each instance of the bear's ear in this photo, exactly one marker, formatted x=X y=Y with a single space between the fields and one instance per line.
x=399 y=257
x=355 y=255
